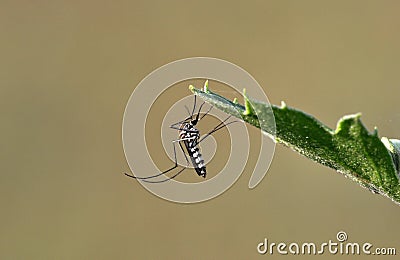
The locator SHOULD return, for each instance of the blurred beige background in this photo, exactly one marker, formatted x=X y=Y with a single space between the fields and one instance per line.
x=67 y=70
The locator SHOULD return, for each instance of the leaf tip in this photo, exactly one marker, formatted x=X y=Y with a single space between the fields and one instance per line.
x=353 y=117
x=192 y=88
x=346 y=122
x=283 y=104
x=205 y=88
x=235 y=101
x=248 y=107
x=375 y=131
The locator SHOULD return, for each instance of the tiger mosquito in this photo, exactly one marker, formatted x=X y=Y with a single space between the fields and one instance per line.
x=189 y=137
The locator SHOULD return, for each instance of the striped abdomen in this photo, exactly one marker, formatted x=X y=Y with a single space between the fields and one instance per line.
x=191 y=136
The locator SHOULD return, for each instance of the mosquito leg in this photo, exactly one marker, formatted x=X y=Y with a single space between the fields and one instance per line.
x=180 y=171
x=218 y=127
x=170 y=169
x=173 y=176
x=198 y=113
x=186 y=130
x=164 y=172
x=208 y=111
x=187 y=109
x=183 y=151
x=194 y=106
x=174 y=126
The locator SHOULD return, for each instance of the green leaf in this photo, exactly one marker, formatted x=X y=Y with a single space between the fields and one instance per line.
x=349 y=149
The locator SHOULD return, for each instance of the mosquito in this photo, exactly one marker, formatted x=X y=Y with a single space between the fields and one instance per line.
x=189 y=139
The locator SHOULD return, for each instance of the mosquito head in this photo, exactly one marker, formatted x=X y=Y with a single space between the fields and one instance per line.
x=194 y=121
